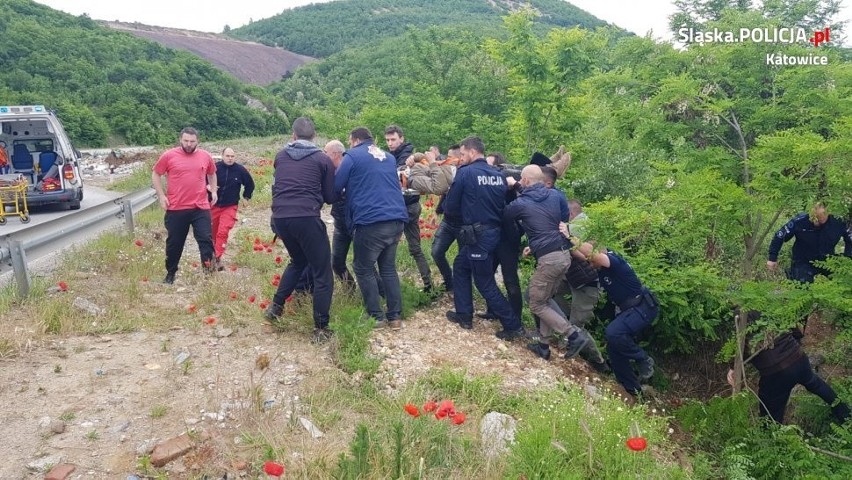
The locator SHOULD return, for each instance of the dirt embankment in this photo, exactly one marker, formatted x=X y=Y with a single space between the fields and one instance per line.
x=248 y=61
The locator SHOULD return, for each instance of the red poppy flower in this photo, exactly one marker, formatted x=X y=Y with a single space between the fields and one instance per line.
x=263 y=305
x=278 y=260
x=191 y=308
x=637 y=444
x=138 y=243
x=232 y=295
x=289 y=298
x=273 y=468
x=251 y=299
x=210 y=320
x=233 y=268
x=207 y=263
x=268 y=249
x=458 y=418
x=63 y=287
x=145 y=279
x=194 y=264
x=412 y=410
x=430 y=406
x=276 y=276
x=422 y=235
x=256 y=241
x=445 y=409
x=275 y=282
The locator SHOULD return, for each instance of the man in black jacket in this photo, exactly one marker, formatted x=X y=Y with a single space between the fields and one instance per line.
x=304 y=181
x=231 y=178
x=783 y=365
x=401 y=150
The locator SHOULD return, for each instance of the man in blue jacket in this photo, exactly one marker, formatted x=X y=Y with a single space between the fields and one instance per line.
x=304 y=181
x=376 y=213
x=816 y=236
x=478 y=196
x=539 y=210
x=231 y=178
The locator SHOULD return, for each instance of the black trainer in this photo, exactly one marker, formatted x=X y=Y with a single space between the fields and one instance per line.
x=540 y=349
x=487 y=316
x=170 y=279
x=273 y=312
x=575 y=343
x=603 y=367
x=646 y=370
x=509 y=335
x=464 y=321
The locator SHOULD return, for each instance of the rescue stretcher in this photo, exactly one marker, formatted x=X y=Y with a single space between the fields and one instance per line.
x=13 y=193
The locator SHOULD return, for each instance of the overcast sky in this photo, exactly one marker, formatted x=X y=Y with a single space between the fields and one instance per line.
x=638 y=16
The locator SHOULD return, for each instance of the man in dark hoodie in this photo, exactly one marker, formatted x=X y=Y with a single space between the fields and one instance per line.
x=376 y=213
x=539 y=210
x=401 y=150
x=231 y=178
x=304 y=181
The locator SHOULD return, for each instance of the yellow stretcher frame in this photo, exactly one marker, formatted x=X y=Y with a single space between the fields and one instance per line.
x=14 y=195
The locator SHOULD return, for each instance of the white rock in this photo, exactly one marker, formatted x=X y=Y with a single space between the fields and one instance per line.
x=42 y=464
x=497 y=432
x=310 y=427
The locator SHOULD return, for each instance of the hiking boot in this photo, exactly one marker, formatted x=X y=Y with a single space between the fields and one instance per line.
x=170 y=279
x=646 y=370
x=509 y=335
x=395 y=324
x=217 y=264
x=273 y=312
x=380 y=324
x=540 y=349
x=464 y=320
x=322 y=335
x=487 y=316
x=576 y=342
x=601 y=367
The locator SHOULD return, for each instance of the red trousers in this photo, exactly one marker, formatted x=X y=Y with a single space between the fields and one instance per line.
x=224 y=219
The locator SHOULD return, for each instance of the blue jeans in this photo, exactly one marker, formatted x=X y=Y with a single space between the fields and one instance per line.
x=340 y=242
x=306 y=241
x=621 y=344
x=475 y=261
x=376 y=243
x=444 y=238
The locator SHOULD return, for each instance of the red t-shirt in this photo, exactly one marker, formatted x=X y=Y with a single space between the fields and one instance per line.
x=186 y=185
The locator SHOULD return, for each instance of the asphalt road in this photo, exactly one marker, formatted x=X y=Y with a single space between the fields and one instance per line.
x=92 y=196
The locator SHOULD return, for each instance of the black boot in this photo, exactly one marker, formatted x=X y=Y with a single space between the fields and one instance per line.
x=464 y=320
x=540 y=349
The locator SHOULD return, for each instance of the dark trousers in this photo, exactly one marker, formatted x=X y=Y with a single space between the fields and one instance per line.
x=774 y=390
x=475 y=262
x=444 y=238
x=412 y=238
x=805 y=272
x=621 y=344
x=374 y=244
x=340 y=242
x=177 y=224
x=306 y=241
x=507 y=258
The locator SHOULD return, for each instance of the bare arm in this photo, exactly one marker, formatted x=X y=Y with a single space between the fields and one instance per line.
x=157 y=181
x=213 y=187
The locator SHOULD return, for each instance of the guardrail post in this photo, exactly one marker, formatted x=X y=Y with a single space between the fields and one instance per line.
x=127 y=210
x=19 y=265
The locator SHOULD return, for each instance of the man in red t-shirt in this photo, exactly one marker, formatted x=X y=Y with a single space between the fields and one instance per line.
x=191 y=175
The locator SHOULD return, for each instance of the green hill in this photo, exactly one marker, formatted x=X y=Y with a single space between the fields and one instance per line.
x=111 y=87
x=320 y=30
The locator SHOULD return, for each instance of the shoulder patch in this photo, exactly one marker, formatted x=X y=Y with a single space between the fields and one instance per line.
x=377 y=153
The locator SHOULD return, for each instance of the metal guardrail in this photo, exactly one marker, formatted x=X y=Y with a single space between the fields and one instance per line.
x=53 y=235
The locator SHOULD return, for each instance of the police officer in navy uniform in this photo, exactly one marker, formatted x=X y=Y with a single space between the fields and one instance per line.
x=816 y=236
x=637 y=309
x=478 y=197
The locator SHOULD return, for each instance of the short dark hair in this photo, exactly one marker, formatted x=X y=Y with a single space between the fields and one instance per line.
x=574 y=203
x=394 y=129
x=188 y=131
x=304 y=129
x=473 y=143
x=549 y=174
x=361 y=134
x=454 y=146
x=499 y=158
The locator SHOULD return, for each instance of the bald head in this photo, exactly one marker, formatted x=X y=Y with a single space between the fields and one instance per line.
x=334 y=149
x=531 y=174
x=229 y=156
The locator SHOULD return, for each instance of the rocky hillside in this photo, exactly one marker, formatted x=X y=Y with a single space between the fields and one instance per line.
x=248 y=61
